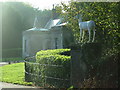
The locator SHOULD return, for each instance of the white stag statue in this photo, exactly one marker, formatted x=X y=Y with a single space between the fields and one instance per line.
x=86 y=26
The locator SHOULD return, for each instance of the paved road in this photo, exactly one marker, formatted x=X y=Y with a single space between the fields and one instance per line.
x=9 y=85
x=3 y=63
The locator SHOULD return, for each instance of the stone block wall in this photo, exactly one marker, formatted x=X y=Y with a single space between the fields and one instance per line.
x=83 y=56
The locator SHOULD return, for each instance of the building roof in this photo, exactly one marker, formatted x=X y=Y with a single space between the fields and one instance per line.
x=37 y=29
x=51 y=23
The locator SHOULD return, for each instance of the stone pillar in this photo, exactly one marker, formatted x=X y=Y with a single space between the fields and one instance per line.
x=83 y=55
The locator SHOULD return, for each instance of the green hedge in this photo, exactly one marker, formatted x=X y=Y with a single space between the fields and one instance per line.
x=13 y=52
x=15 y=59
x=51 y=52
x=56 y=73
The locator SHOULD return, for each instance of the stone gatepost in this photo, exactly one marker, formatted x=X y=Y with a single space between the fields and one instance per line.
x=83 y=55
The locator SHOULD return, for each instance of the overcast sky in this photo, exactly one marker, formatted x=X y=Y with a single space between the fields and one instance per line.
x=48 y=4
x=42 y=4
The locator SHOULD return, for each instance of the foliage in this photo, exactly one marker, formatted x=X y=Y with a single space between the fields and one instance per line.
x=103 y=76
x=50 y=52
x=43 y=17
x=14 y=73
x=96 y=70
x=13 y=52
x=12 y=59
x=71 y=88
x=16 y=18
x=105 y=15
x=52 y=66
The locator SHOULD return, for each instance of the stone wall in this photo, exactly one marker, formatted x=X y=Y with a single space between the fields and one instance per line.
x=83 y=56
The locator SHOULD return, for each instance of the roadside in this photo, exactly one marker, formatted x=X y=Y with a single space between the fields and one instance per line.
x=9 y=85
x=3 y=63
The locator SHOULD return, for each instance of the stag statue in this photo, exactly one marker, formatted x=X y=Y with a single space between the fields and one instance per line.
x=86 y=26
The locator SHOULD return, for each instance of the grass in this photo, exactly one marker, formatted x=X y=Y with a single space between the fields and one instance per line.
x=11 y=59
x=14 y=73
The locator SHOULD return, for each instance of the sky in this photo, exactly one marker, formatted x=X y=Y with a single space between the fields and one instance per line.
x=42 y=4
x=48 y=4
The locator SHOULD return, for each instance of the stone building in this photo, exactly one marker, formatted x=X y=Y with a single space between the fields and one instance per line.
x=55 y=35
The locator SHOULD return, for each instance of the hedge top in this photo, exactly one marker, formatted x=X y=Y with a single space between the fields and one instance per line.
x=51 y=52
x=52 y=56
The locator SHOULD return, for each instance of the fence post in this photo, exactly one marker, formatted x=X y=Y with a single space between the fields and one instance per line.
x=25 y=71
x=83 y=55
x=27 y=75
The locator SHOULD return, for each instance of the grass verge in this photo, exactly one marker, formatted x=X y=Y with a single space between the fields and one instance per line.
x=14 y=73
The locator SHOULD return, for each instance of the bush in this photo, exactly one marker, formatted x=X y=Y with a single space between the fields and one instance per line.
x=10 y=53
x=103 y=75
x=54 y=68
x=15 y=59
x=51 y=52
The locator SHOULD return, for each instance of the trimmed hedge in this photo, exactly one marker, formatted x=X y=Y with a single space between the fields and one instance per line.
x=51 y=52
x=10 y=53
x=52 y=57
x=54 y=68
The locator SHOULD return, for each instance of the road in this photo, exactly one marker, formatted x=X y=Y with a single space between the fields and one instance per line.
x=9 y=85
x=3 y=63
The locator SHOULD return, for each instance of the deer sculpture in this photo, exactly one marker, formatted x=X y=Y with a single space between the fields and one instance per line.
x=86 y=26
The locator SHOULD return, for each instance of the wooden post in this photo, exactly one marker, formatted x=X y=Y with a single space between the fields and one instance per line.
x=27 y=75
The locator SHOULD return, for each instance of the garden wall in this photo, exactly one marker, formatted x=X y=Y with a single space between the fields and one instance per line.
x=84 y=56
x=92 y=68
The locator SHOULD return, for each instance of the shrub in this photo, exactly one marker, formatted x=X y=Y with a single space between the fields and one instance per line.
x=53 y=69
x=10 y=53
x=15 y=59
x=103 y=75
x=51 y=52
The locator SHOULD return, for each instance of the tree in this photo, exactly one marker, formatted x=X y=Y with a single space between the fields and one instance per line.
x=105 y=15
x=44 y=16
x=16 y=18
